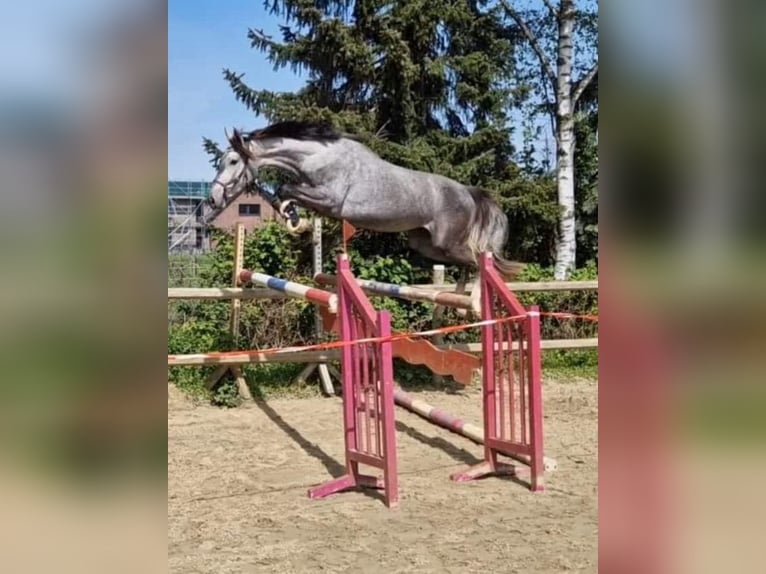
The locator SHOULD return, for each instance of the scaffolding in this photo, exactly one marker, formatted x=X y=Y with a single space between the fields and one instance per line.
x=186 y=216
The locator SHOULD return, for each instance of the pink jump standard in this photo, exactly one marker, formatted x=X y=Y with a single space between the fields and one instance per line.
x=368 y=393
x=511 y=382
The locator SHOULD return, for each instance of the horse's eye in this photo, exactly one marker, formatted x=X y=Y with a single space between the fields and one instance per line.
x=233 y=161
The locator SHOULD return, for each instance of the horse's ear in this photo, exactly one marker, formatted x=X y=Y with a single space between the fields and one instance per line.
x=239 y=143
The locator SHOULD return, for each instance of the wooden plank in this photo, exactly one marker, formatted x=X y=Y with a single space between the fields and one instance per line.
x=545 y=345
x=462 y=366
x=326 y=380
x=304 y=375
x=236 y=371
x=242 y=388
x=334 y=354
x=333 y=371
x=218 y=293
x=223 y=294
x=522 y=286
x=246 y=358
x=236 y=305
x=215 y=376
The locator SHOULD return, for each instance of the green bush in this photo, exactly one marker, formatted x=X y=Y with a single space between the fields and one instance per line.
x=575 y=302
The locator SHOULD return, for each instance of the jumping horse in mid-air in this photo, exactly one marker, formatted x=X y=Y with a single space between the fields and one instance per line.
x=337 y=176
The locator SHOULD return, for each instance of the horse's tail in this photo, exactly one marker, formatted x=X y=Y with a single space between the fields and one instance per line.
x=488 y=231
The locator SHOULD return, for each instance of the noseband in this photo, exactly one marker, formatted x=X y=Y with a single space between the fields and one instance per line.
x=233 y=183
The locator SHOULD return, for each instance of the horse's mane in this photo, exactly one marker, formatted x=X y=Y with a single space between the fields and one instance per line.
x=298 y=130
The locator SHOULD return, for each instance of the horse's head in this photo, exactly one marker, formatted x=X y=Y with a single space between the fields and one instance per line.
x=234 y=172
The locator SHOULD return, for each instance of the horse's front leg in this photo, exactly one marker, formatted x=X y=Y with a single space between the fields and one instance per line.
x=324 y=201
x=476 y=299
x=475 y=294
x=286 y=208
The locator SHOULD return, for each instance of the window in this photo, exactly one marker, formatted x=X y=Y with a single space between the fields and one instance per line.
x=250 y=209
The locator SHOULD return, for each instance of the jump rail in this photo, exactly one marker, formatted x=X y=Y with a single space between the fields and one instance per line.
x=403 y=292
x=455 y=424
x=291 y=289
x=521 y=286
x=223 y=294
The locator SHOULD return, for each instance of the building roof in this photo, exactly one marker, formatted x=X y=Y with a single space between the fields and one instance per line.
x=193 y=189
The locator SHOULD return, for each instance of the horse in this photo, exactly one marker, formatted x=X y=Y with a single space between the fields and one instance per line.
x=337 y=176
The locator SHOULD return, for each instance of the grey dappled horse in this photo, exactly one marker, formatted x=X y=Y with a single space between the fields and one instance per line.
x=337 y=176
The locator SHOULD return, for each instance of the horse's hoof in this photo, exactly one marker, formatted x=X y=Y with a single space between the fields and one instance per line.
x=302 y=226
x=283 y=208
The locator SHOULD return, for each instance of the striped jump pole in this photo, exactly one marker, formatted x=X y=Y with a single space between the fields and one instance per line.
x=403 y=292
x=291 y=289
x=455 y=424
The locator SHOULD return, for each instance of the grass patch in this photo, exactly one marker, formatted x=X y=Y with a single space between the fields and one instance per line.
x=571 y=364
x=267 y=381
x=277 y=380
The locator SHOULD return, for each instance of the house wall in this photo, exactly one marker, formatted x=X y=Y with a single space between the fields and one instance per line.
x=229 y=217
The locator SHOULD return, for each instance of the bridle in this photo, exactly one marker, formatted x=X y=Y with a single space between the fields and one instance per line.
x=234 y=182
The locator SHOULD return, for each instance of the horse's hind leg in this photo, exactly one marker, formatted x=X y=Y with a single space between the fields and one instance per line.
x=475 y=293
x=423 y=242
x=420 y=240
x=463 y=256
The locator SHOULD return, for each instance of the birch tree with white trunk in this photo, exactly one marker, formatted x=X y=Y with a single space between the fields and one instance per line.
x=561 y=92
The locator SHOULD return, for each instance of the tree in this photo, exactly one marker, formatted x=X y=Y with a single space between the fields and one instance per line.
x=555 y=29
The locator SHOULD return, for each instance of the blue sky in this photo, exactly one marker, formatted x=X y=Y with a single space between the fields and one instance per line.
x=204 y=37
